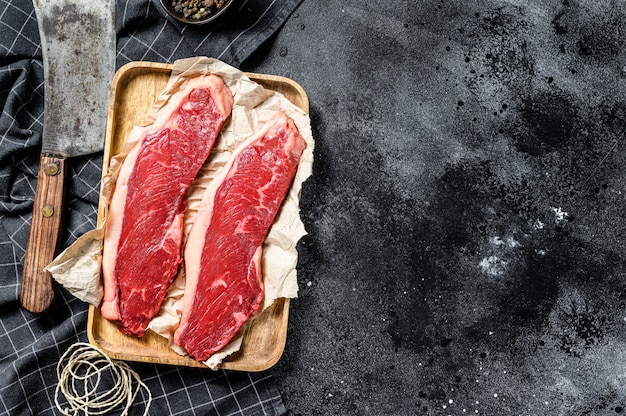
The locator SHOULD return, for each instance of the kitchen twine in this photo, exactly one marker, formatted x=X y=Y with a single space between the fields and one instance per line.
x=80 y=379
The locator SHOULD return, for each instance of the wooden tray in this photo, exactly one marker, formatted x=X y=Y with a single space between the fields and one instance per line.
x=135 y=88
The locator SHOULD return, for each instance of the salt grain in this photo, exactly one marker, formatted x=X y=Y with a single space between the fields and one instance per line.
x=559 y=214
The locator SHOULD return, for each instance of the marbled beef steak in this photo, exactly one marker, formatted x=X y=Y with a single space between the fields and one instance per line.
x=224 y=283
x=144 y=225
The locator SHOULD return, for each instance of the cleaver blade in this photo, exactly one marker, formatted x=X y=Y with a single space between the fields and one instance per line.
x=78 y=51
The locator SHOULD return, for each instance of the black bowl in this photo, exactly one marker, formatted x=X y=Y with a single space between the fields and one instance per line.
x=209 y=18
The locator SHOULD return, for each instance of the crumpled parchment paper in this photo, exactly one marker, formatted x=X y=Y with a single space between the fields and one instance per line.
x=78 y=268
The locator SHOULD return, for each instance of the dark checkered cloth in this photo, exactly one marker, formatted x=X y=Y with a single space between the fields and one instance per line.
x=31 y=345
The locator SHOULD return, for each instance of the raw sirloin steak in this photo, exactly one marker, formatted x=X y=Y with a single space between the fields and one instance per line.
x=143 y=236
x=223 y=252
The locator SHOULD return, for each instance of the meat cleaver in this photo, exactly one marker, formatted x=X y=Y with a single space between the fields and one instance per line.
x=78 y=50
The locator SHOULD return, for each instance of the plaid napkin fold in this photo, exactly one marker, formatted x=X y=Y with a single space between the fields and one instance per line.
x=31 y=345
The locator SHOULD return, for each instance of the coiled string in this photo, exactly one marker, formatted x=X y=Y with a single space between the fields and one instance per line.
x=82 y=373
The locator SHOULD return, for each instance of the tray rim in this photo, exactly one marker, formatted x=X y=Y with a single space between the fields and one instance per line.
x=93 y=312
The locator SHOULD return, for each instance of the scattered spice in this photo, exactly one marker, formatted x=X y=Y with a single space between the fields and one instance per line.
x=197 y=9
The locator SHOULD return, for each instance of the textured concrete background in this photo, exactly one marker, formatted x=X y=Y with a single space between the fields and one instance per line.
x=466 y=231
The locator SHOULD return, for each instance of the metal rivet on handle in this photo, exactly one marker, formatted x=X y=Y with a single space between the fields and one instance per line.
x=47 y=211
x=51 y=169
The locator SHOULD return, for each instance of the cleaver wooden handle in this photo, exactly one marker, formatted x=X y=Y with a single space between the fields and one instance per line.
x=37 y=292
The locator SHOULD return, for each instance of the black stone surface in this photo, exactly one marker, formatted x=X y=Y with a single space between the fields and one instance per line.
x=466 y=223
